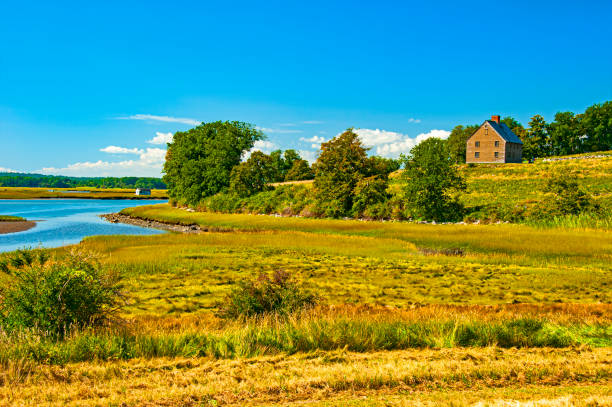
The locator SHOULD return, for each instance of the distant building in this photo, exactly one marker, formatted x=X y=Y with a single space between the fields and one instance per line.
x=494 y=142
x=143 y=191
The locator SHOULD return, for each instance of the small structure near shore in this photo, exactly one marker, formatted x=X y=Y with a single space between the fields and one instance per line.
x=143 y=191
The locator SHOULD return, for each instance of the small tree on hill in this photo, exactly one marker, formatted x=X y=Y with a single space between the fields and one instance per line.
x=430 y=180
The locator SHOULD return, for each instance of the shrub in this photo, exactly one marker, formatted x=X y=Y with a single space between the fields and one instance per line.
x=54 y=295
x=564 y=197
x=275 y=294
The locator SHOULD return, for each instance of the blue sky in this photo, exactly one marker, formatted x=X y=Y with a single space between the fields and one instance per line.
x=87 y=89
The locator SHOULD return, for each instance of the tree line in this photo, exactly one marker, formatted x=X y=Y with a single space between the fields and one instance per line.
x=53 y=181
x=567 y=134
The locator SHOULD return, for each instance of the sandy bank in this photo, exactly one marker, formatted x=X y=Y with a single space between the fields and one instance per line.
x=15 y=226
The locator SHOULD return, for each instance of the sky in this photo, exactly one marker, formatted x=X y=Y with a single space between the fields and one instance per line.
x=98 y=88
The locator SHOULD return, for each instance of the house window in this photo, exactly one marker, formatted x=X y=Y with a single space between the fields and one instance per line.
x=497 y=144
x=478 y=144
x=496 y=154
x=477 y=154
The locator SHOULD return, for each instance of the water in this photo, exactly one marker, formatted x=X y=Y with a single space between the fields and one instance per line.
x=66 y=221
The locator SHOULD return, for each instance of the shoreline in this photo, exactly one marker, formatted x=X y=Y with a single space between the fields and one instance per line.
x=152 y=224
x=16 y=226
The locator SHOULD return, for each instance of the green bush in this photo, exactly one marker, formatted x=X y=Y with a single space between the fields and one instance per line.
x=55 y=295
x=275 y=294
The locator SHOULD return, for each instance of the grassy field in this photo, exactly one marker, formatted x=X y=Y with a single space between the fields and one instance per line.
x=409 y=314
x=86 y=193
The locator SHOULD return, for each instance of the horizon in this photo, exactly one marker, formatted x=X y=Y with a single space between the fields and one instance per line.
x=98 y=90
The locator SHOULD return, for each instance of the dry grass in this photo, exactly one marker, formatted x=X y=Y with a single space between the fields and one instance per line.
x=428 y=377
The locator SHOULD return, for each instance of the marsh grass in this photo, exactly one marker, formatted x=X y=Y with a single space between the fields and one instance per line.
x=350 y=329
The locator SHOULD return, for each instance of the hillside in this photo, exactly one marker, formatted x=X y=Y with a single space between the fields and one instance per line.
x=495 y=192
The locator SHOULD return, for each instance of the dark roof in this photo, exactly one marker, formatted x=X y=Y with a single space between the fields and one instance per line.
x=504 y=131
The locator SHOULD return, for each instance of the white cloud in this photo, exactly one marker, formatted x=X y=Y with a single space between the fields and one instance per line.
x=308 y=155
x=312 y=122
x=413 y=120
x=161 y=138
x=2 y=169
x=264 y=146
x=371 y=138
x=315 y=140
x=168 y=119
x=149 y=164
x=280 y=131
x=405 y=143
x=121 y=150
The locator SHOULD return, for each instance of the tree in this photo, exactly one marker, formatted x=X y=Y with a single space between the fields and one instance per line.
x=536 y=143
x=597 y=126
x=338 y=169
x=199 y=161
x=457 y=142
x=282 y=163
x=380 y=166
x=430 y=181
x=253 y=175
x=370 y=199
x=300 y=171
x=565 y=132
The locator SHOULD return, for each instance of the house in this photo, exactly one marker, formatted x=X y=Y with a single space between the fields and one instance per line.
x=494 y=142
x=143 y=191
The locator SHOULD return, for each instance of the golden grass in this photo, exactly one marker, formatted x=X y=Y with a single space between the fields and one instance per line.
x=430 y=377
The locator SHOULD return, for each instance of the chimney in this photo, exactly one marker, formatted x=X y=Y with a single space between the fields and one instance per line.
x=495 y=118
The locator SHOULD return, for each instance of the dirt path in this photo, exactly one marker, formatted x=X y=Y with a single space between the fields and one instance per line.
x=18 y=226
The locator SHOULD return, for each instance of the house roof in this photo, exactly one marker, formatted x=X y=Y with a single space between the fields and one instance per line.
x=504 y=131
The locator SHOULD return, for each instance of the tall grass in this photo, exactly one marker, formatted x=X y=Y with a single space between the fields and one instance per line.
x=303 y=333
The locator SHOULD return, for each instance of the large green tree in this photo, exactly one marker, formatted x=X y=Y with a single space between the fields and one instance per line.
x=597 y=127
x=340 y=166
x=565 y=132
x=431 y=181
x=199 y=161
x=457 y=141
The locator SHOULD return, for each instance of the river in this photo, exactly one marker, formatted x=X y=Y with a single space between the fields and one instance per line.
x=62 y=222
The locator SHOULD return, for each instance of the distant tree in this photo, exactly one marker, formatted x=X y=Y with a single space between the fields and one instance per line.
x=565 y=132
x=380 y=166
x=199 y=161
x=536 y=143
x=338 y=169
x=597 y=126
x=300 y=171
x=253 y=175
x=282 y=163
x=457 y=141
x=430 y=181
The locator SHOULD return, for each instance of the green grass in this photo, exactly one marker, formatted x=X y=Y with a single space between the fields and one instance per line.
x=9 y=218
x=305 y=334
